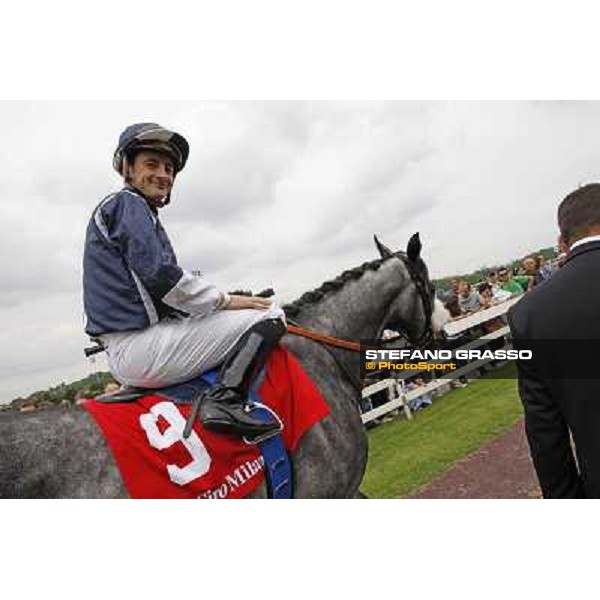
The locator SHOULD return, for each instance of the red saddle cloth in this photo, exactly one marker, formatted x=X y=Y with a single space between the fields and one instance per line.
x=146 y=438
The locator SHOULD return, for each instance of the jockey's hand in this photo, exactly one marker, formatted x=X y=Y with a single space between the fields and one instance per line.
x=239 y=302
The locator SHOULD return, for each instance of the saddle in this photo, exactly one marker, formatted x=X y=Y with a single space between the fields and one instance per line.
x=282 y=391
x=277 y=464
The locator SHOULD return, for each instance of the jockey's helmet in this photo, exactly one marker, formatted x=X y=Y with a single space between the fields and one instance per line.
x=151 y=136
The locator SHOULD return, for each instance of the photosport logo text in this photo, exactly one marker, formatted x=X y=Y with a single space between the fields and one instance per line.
x=386 y=361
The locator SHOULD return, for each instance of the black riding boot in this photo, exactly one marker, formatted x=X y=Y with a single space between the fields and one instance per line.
x=224 y=407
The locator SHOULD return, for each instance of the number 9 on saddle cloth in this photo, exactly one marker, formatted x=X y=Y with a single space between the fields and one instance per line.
x=217 y=392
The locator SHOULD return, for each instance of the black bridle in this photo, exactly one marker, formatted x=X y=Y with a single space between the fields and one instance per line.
x=425 y=291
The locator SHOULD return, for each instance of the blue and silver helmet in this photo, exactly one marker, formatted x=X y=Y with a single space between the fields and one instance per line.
x=151 y=136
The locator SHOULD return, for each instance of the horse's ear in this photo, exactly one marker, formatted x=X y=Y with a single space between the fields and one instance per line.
x=383 y=249
x=413 y=250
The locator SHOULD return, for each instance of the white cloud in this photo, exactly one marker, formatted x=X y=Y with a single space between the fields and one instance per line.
x=277 y=193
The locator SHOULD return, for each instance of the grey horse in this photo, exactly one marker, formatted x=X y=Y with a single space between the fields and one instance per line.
x=61 y=453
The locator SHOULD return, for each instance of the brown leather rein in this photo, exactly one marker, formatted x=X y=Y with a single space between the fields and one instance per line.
x=323 y=338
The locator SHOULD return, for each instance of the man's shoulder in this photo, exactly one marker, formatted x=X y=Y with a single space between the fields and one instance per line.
x=123 y=208
x=548 y=299
x=541 y=294
x=114 y=199
x=123 y=205
x=527 y=303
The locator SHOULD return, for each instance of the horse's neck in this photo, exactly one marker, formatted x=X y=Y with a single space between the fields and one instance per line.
x=357 y=310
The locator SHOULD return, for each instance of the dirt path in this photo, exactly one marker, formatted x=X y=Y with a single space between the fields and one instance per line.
x=500 y=469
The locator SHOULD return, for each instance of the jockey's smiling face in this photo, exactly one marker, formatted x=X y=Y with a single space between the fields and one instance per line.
x=152 y=173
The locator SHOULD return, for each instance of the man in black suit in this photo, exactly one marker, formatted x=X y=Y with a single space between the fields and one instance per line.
x=559 y=403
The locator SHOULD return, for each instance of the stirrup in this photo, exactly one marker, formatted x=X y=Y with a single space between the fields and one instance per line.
x=252 y=405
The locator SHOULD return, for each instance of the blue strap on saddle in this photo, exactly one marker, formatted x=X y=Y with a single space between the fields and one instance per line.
x=278 y=468
x=277 y=464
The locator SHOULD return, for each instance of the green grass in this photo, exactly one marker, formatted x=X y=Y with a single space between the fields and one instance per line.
x=406 y=454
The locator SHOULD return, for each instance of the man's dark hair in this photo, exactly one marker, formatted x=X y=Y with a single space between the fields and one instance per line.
x=535 y=258
x=452 y=307
x=579 y=211
x=482 y=287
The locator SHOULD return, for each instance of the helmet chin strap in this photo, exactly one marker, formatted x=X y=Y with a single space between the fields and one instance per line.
x=167 y=199
x=125 y=169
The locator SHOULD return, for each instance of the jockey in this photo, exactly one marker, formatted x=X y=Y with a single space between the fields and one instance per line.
x=160 y=324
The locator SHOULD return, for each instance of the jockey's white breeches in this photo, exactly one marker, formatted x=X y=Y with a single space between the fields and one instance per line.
x=175 y=350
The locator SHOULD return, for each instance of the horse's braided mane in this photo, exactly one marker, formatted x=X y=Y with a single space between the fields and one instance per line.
x=293 y=308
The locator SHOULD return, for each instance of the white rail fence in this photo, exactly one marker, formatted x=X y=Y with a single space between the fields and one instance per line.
x=400 y=398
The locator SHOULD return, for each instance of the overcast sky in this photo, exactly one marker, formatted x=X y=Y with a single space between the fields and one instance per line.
x=282 y=194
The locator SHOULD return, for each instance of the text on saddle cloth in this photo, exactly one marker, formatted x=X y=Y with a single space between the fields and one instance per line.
x=146 y=438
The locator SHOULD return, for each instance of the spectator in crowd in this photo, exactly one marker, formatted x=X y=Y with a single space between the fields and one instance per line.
x=486 y=296
x=365 y=403
x=374 y=400
x=546 y=269
x=498 y=294
x=530 y=266
x=453 y=308
x=521 y=278
x=451 y=296
x=468 y=299
x=509 y=283
x=487 y=300
x=492 y=279
x=533 y=269
x=451 y=342
x=422 y=401
x=501 y=295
